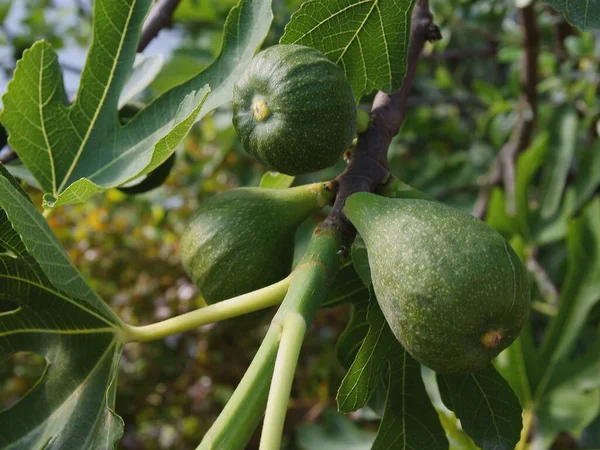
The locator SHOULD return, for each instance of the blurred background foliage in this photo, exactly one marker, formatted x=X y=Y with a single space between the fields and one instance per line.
x=461 y=112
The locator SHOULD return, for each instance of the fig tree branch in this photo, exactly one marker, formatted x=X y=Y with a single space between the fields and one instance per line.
x=368 y=167
x=161 y=16
x=503 y=167
x=309 y=284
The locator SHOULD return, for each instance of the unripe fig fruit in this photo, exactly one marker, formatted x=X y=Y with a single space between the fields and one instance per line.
x=243 y=239
x=453 y=291
x=294 y=110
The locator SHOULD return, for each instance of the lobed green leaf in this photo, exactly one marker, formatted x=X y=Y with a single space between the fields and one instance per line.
x=61 y=319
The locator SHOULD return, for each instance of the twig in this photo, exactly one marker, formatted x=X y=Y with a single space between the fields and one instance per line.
x=161 y=16
x=503 y=168
x=547 y=289
x=368 y=167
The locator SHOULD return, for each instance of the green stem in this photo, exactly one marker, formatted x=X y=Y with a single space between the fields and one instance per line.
x=227 y=309
x=292 y=336
x=47 y=213
x=243 y=411
x=310 y=282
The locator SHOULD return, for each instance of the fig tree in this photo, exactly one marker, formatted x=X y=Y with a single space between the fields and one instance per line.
x=294 y=110
x=243 y=239
x=452 y=289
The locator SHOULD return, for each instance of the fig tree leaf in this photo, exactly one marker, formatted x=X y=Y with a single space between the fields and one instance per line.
x=333 y=431
x=588 y=174
x=487 y=407
x=153 y=180
x=558 y=161
x=276 y=180
x=512 y=365
x=144 y=71
x=369 y=363
x=368 y=39
x=565 y=409
x=409 y=420
x=347 y=288
x=61 y=319
x=527 y=166
x=585 y=14
x=76 y=151
x=353 y=335
x=581 y=288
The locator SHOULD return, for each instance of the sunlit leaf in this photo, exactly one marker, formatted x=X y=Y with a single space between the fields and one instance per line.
x=275 y=180
x=76 y=151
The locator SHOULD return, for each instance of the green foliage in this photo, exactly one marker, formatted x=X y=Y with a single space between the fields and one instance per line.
x=293 y=110
x=408 y=407
x=443 y=264
x=583 y=13
x=495 y=423
x=334 y=432
x=368 y=39
x=81 y=345
x=65 y=160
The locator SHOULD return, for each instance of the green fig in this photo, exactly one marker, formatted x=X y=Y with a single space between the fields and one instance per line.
x=243 y=239
x=452 y=289
x=294 y=110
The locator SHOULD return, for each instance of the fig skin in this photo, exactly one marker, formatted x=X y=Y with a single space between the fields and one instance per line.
x=294 y=110
x=453 y=291
x=242 y=240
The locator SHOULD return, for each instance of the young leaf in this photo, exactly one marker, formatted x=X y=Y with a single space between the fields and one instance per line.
x=583 y=13
x=62 y=319
x=348 y=288
x=487 y=407
x=351 y=339
x=366 y=38
x=144 y=71
x=80 y=150
x=369 y=364
x=275 y=180
x=409 y=420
